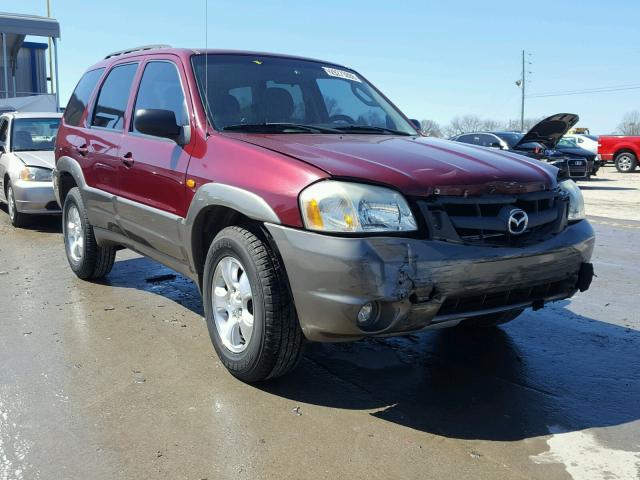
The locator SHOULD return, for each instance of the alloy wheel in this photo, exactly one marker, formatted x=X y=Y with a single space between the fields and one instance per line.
x=74 y=234
x=232 y=301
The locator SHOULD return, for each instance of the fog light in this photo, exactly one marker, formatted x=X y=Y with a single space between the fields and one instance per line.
x=367 y=313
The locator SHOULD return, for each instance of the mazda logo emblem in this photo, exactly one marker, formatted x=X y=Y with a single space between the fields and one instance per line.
x=518 y=221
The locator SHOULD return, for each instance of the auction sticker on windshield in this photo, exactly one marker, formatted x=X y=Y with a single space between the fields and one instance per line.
x=334 y=72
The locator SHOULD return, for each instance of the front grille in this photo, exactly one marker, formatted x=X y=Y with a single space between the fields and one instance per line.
x=505 y=298
x=484 y=219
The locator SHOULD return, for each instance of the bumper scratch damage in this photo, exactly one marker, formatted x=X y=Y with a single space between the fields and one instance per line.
x=418 y=284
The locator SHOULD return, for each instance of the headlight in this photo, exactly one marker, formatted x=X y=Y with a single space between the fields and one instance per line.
x=35 y=174
x=334 y=206
x=576 y=202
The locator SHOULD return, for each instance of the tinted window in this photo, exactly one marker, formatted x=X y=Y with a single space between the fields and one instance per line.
x=465 y=139
x=160 y=88
x=245 y=90
x=510 y=138
x=4 y=126
x=80 y=97
x=34 y=134
x=112 y=100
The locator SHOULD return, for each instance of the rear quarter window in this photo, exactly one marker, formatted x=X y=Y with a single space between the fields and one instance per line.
x=80 y=97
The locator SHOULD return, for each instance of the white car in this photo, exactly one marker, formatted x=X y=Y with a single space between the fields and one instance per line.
x=26 y=164
x=588 y=142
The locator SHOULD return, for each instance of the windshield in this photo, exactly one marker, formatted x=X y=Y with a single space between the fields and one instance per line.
x=284 y=95
x=510 y=138
x=567 y=142
x=28 y=134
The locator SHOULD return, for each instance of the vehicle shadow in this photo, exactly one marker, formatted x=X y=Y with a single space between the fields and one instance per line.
x=40 y=223
x=144 y=274
x=593 y=187
x=502 y=384
x=551 y=367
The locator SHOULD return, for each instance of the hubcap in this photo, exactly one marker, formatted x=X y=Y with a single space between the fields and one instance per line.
x=232 y=301
x=12 y=203
x=74 y=234
x=624 y=162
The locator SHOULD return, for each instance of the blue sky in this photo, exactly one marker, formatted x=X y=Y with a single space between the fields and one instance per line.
x=434 y=59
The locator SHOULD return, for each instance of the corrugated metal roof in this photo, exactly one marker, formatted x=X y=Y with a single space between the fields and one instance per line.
x=29 y=25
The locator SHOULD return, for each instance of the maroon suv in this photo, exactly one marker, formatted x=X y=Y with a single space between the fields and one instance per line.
x=304 y=204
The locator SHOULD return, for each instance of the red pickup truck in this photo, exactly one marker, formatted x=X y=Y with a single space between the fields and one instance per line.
x=623 y=151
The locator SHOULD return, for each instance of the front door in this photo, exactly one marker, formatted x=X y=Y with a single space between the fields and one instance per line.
x=152 y=197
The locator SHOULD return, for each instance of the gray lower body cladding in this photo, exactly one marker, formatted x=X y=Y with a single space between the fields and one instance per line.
x=418 y=284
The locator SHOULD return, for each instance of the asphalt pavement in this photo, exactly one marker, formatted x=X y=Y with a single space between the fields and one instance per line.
x=118 y=379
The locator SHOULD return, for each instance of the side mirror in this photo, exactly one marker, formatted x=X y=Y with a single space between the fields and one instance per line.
x=159 y=123
x=416 y=123
x=496 y=145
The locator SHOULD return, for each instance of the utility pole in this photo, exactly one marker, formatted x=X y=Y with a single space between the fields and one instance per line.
x=523 y=80
x=50 y=53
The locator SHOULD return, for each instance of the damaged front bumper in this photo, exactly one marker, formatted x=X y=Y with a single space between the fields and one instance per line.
x=416 y=284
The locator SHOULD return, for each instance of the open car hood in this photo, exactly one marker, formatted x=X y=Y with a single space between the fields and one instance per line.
x=549 y=131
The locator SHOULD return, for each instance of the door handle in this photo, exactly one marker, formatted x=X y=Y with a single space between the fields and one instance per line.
x=127 y=159
x=82 y=149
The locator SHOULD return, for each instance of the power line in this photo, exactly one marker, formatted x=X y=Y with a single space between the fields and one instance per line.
x=619 y=88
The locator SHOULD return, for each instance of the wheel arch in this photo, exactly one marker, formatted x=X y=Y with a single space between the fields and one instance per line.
x=68 y=174
x=217 y=206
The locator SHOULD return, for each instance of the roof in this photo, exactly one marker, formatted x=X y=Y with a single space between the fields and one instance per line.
x=33 y=115
x=188 y=52
x=29 y=25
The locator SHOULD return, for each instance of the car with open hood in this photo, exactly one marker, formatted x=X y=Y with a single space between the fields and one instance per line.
x=26 y=164
x=540 y=142
x=304 y=204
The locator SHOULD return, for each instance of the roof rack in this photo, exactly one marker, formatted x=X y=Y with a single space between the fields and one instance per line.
x=136 y=49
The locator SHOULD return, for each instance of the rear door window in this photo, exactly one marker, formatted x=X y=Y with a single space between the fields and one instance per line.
x=160 y=88
x=113 y=97
x=80 y=97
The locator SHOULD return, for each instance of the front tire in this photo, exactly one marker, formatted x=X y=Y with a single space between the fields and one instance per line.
x=626 y=162
x=18 y=220
x=86 y=258
x=490 y=320
x=248 y=308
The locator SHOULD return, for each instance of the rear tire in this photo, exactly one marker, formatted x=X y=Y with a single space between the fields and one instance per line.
x=18 y=220
x=86 y=258
x=271 y=343
x=626 y=162
x=490 y=320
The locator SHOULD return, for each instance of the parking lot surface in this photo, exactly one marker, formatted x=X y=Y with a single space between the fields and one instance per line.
x=119 y=380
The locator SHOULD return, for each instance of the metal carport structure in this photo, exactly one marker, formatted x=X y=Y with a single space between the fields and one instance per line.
x=13 y=30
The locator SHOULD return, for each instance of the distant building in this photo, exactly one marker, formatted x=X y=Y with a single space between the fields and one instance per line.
x=23 y=65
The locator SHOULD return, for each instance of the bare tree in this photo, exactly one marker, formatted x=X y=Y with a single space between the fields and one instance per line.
x=489 y=124
x=464 y=124
x=430 y=128
x=630 y=124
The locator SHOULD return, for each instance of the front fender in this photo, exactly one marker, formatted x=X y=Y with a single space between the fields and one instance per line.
x=209 y=195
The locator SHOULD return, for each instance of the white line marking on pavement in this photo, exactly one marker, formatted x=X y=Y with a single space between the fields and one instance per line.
x=585 y=458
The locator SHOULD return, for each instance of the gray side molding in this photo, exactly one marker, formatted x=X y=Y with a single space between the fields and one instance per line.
x=220 y=194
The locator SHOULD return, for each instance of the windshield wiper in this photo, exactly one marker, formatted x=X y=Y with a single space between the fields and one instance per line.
x=275 y=127
x=371 y=128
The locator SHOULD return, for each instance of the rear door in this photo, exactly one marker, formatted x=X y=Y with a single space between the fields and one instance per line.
x=152 y=199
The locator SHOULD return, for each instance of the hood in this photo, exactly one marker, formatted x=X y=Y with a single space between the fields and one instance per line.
x=549 y=131
x=576 y=151
x=41 y=158
x=414 y=165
